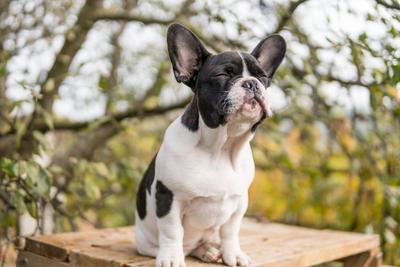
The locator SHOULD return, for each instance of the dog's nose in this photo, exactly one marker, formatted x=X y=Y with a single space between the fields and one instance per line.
x=250 y=84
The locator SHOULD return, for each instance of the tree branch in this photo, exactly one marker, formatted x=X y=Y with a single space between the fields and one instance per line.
x=8 y=141
x=159 y=81
x=299 y=73
x=286 y=17
x=345 y=82
x=131 y=113
x=41 y=126
x=112 y=80
x=73 y=41
x=393 y=5
x=104 y=15
x=3 y=59
x=209 y=43
x=84 y=145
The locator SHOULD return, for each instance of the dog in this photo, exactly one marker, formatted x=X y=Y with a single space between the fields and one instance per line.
x=194 y=193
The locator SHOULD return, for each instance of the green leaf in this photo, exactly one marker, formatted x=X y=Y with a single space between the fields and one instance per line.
x=48 y=119
x=370 y=17
x=17 y=200
x=396 y=74
x=91 y=189
x=43 y=183
x=356 y=54
x=8 y=167
x=41 y=139
x=8 y=220
x=103 y=83
x=3 y=70
x=21 y=130
x=220 y=18
x=393 y=32
x=396 y=112
x=363 y=37
x=32 y=209
x=23 y=170
x=38 y=179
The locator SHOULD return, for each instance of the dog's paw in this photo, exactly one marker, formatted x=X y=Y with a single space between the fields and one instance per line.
x=207 y=253
x=211 y=254
x=170 y=259
x=235 y=258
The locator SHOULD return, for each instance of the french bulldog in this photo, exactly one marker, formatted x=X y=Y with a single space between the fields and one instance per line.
x=194 y=194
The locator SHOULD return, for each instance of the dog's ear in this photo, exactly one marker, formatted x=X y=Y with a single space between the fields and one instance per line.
x=186 y=52
x=269 y=53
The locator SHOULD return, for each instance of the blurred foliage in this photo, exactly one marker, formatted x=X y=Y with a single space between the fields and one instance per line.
x=322 y=160
x=27 y=184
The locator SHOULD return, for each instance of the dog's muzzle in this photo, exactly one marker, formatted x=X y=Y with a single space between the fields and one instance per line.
x=252 y=87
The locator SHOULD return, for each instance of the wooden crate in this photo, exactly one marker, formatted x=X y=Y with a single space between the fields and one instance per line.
x=268 y=244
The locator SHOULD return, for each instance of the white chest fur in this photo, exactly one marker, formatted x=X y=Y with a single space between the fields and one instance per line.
x=209 y=212
x=208 y=172
x=198 y=164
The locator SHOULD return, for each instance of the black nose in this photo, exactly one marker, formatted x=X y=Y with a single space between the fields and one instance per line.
x=250 y=84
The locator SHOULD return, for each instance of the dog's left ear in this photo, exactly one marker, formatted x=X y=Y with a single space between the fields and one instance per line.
x=269 y=53
x=186 y=52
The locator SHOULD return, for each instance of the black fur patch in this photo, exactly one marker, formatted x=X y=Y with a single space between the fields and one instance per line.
x=164 y=198
x=190 y=117
x=255 y=70
x=215 y=79
x=145 y=183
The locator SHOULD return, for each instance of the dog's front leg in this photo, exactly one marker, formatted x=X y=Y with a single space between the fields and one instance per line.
x=170 y=236
x=232 y=254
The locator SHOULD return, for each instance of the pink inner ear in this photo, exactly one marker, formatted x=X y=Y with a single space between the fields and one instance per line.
x=262 y=59
x=187 y=61
x=186 y=53
x=270 y=52
x=265 y=58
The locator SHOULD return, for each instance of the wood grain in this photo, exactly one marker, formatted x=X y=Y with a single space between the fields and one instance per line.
x=268 y=244
x=28 y=259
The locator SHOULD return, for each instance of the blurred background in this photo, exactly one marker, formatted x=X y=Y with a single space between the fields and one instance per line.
x=86 y=92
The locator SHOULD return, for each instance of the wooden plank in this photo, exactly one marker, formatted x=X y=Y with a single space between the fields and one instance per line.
x=113 y=253
x=28 y=259
x=48 y=250
x=307 y=250
x=270 y=244
x=58 y=246
x=371 y=258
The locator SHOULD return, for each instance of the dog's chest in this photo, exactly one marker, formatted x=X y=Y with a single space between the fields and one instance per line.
x=210 y=212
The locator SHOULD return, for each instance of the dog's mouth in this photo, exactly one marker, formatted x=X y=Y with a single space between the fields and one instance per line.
x=257 y=99
x=253 y=104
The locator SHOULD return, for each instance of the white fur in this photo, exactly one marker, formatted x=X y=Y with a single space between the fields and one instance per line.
x=209 y=172
x=210 y=191
x=236 y=94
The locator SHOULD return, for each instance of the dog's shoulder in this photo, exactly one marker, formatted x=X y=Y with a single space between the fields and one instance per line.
x=179 y=139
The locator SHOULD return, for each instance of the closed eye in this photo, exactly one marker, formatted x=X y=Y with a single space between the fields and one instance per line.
x=222 y=75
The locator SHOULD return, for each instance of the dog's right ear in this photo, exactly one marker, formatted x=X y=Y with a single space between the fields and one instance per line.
x=187 y=54
x=269 y=53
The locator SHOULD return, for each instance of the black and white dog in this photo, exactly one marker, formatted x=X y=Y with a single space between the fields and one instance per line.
x=194 y=193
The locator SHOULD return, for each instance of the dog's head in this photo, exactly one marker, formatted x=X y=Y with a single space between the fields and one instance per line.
x=229 y=86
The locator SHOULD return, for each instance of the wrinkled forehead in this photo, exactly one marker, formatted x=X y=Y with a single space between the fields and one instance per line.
x=235 y=60
x=226 y=59
x=252 y=65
